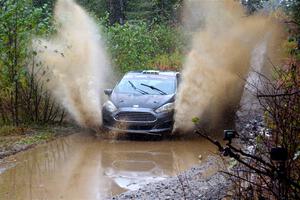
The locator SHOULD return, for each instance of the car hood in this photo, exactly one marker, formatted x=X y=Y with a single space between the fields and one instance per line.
x=141 y=101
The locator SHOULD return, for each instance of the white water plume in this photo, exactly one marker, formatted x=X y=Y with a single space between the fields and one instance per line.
x=74 y=64
x=218 y=63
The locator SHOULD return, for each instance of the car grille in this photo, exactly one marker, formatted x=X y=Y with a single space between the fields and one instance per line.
x=137 y=127
x=135 y=116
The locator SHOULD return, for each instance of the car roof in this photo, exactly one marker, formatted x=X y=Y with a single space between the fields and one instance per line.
x=153 y=72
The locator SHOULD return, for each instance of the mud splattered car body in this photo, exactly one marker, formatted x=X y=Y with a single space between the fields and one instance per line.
x=142 y=102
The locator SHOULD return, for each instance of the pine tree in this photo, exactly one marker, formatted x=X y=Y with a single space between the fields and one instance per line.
x=140 y=10
x=152 y=10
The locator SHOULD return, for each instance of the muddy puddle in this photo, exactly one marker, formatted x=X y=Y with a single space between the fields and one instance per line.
x=82 y=167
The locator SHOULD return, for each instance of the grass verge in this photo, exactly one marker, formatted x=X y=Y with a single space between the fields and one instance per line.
x=15 y=139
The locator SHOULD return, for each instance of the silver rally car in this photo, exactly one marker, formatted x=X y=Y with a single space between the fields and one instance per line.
x=142 y=102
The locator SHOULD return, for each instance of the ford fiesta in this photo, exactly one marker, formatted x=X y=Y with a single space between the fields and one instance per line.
x=142 y=102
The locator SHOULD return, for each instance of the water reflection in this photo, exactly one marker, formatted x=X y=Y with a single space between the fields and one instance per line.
x=83 y=167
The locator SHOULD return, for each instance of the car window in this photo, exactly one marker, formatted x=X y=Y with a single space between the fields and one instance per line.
x=147 y=85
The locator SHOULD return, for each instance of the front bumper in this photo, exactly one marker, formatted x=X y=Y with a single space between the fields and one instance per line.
x=158 y=124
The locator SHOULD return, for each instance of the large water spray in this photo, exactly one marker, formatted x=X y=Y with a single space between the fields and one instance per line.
x=218 y=63
x=73 y=62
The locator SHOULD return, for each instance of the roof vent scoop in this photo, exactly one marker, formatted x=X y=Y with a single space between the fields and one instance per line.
x=150 y=72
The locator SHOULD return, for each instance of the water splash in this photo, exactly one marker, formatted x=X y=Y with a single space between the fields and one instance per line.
x=74 y=66
x=218 y=63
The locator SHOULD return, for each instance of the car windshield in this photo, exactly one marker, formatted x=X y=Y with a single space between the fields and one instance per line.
x=146 y=85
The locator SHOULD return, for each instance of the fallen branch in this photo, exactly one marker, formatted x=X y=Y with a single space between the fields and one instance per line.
x=278 y=95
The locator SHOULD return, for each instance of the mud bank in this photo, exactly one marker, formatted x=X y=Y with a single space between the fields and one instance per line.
x=200 y=182
x=15 y=140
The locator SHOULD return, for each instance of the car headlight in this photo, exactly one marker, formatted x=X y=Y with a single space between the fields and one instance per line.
x=109 y=106
x=168 y=107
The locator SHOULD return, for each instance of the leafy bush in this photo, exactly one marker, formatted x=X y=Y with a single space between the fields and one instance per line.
x=168 y=61
x=140 y=46
x=20 y=97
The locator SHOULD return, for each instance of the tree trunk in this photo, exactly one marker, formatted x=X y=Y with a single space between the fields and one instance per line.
x=15 y=73
x=116 y=11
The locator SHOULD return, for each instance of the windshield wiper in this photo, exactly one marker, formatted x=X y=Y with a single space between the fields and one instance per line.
x=154 y=88
x=137 y=89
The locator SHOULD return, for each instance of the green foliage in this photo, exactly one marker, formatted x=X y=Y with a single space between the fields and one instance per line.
x=252 y=6
x=11 y=130
x=292 y=8
x=138 y=46
x=37 y=138
x=153 y=10
x=139 y=10
x=19 y=21
x=196 y=120
x=97 y=7
x=41 y=3
x=168 y=61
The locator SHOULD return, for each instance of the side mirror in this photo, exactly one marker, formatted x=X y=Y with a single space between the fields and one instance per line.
x=229 y=135
x=108 y=91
